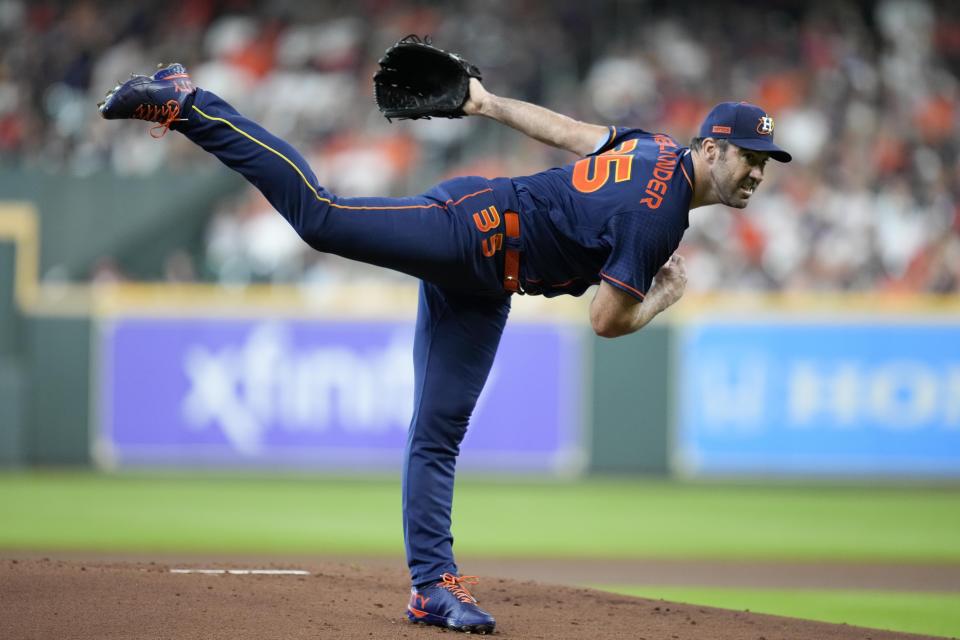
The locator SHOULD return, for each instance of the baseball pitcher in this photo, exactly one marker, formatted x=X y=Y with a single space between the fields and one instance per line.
x=613 y=217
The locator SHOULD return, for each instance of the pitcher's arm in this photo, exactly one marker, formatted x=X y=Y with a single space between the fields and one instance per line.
x=537 y=122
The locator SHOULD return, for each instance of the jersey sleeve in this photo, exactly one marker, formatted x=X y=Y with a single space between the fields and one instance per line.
x=640 y=244
x=616 y=135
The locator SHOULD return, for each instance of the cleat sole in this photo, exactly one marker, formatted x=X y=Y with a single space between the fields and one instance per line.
x=444 y=623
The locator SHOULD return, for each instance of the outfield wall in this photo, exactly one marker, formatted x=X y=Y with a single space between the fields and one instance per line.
x=12 y=390
x=157 y=379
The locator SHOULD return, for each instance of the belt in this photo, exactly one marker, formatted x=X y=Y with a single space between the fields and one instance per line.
x=511 y=256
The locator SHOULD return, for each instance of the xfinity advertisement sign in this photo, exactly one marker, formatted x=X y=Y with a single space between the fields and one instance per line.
x=264 y=381
x=834 y=399
x=320 y=395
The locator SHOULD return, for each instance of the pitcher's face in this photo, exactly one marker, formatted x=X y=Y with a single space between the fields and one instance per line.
x=736 y=174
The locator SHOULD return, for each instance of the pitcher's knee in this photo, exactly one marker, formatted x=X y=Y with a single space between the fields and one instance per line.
x=309 y=223
x=442 y=433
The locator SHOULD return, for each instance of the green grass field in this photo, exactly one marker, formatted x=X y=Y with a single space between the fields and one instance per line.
x=935 y=614
x=599 y=518
x=614 y=518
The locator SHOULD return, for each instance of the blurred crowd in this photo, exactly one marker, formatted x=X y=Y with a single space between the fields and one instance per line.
x=865 y=95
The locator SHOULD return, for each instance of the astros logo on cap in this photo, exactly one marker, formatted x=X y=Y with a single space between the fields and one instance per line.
x=765 y=126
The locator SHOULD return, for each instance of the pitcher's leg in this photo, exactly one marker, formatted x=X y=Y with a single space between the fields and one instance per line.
x=430 y=236
x=455 y=344
x=422 y=236
x=269 y=163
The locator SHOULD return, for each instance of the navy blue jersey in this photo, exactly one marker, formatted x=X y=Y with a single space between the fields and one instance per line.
x=615 y=215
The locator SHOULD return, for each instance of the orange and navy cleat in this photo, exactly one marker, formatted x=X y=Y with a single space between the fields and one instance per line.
x=158 y=98
x=448 y=604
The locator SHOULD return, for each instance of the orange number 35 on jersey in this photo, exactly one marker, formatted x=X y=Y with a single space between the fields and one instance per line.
x=592 y=173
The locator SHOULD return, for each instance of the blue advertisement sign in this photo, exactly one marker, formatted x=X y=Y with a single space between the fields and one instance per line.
x=320 y=395
x=833 y=399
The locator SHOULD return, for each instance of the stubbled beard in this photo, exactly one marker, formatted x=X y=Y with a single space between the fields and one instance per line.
x=725 y=197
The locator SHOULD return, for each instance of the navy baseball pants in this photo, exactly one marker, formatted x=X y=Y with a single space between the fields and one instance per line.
x=442 y=237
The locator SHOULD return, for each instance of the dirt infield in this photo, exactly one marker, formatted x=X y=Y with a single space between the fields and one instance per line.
x=43 y=598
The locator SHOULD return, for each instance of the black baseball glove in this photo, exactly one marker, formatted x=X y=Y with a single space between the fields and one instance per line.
x=418 y=80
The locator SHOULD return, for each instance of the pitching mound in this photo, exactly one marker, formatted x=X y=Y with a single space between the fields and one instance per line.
x=43 y=598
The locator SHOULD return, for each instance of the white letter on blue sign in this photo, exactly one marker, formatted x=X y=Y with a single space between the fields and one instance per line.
x=828 y=392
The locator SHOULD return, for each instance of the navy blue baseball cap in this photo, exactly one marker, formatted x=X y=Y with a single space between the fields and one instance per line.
x=745 y=125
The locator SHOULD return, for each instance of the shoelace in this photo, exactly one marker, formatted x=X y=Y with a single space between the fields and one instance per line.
x=415 y=38
x=454 y=584
x=164 y=114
